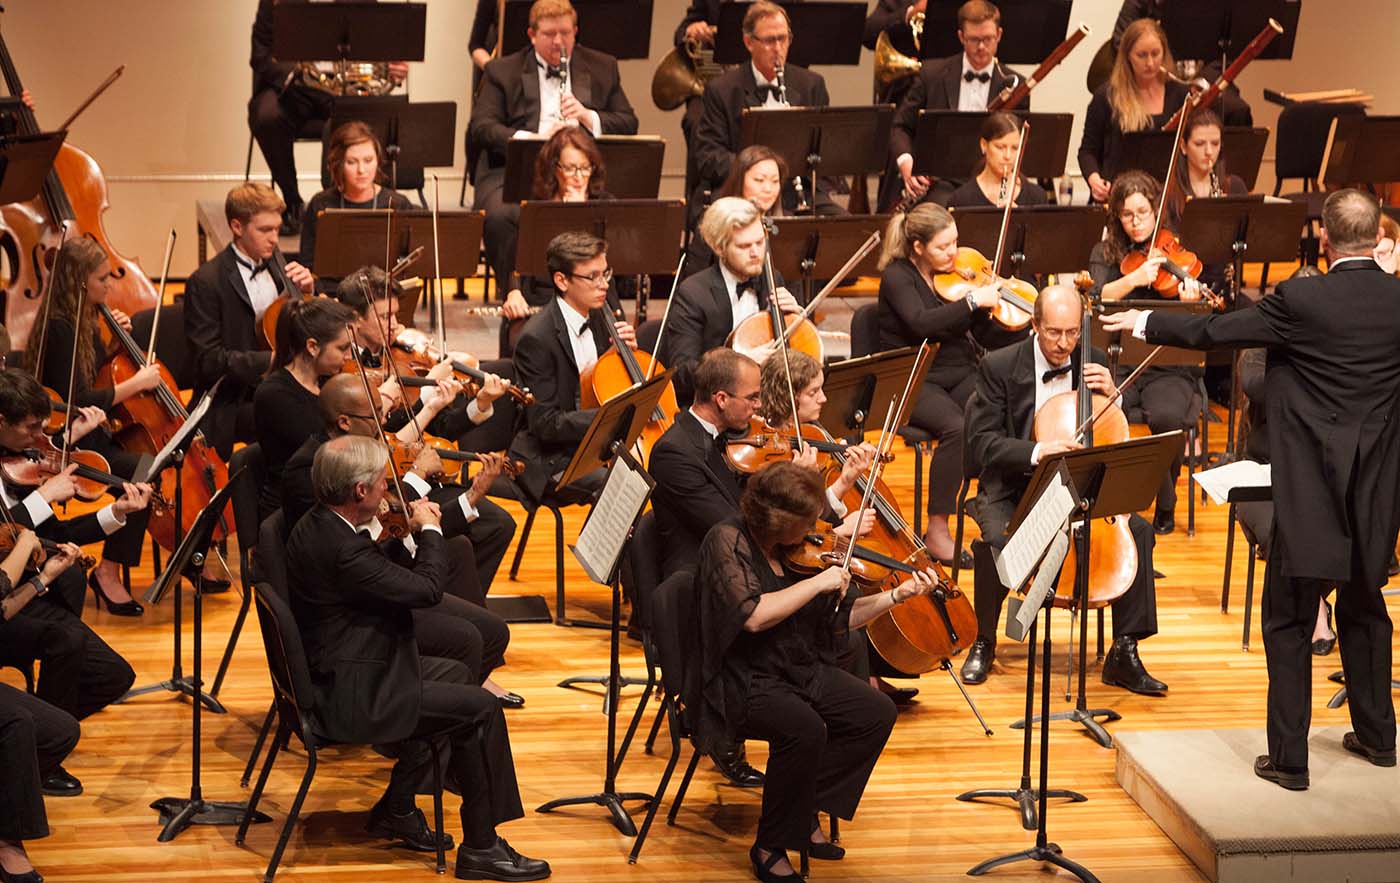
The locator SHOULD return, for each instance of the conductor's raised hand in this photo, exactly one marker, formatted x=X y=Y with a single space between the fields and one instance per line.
x=1123 y=321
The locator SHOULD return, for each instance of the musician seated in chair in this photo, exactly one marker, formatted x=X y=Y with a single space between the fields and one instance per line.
x=1164 y=397
x=990 y=184
x=557 y=346
x=548 y=85
x=224 y=301
x=766 y=81
x=354 y=608
x=709 y=305
x=966 y=82
x=1013 y=384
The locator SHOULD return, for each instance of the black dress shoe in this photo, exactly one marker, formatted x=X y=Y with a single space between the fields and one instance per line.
x=763 y=868
x=1123 y=668
x=26 y=877
x=735 y=767
x=1393 y=568
x=61 y=783
x=211 y=586
x=824 y=850
x=1293 y=780
x=291 y=220
x=511 y=700
x=1164 y=522
x=901 y=696
x=978 y=663
x=499 y=862
x=411 y=829
x=1377 y=757
x=964 y=560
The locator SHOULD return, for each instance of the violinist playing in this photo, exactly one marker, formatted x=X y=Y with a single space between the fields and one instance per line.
x=919 y=245
x=999 y=141
x=82 y=278
x=1013 y=384
x=1165 y=396
x=769 y=638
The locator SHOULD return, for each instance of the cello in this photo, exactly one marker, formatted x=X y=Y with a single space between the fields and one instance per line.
x=618 y=370
x=75 y=192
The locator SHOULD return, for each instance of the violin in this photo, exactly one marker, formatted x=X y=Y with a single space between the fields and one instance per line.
x=822 y=549
x=425 y=355
x=619 y=369
x=31 y=467
x=9 y=537
x=402 y=454
x=765 y=444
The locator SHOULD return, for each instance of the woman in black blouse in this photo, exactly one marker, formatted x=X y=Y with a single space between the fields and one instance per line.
x=357 y=164
x=1137 y=96
x=769 y=638
x=918 y=246
x=82 y=272
x=999 y=141
x=1163 y=395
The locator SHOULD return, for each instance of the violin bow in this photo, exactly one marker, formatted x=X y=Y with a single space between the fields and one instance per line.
x=1187 y=105
x=876 y=467
x=72 y=376
x=374 y=411
x=859 y=255
x=111 y=78
x=385 y=356
x=661 y=332
x=438 y=313
x=48 y=299
x=1010 y=198
x=160 y=297
x=779 y=331
x=1127 y=382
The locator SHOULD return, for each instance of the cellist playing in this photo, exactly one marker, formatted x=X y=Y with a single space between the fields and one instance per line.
x=1013 y=383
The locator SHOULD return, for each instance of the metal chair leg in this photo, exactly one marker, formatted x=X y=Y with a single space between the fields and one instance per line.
x=257 y=746
x=292 y=816
x=919 y=490
x=272 y=753
x=1229 y=561
x=661 y=711
x=685 y=784
x=661 y=787
x=232 y=639
x=524 y=538
x=437 y=804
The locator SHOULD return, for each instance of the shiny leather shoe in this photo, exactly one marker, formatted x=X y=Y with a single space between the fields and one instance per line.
x=735 y=767
x=511 y=700
x=26 y=877
x=1164 y=522
x=978 y=663
x=499 y=862
x=61 y=783
x=411 y=829
x=1377 y=757
x=965 y=561
x=763 y=868
x=1324 y=646
x=1393 y=568
x=1123 y=668
x=1293 y=780
x=125 y=608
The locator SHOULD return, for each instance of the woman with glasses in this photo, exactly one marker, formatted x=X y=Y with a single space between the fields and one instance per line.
x=1163 y=397
x=919 y=245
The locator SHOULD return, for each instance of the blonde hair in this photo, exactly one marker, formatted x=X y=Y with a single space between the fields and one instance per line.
x=1122 y=89
x=919 y=224
x=250 y=198
x=724 y=216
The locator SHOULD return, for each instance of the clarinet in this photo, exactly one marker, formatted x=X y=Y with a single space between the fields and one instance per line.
x=782 y=84
x=563 y=79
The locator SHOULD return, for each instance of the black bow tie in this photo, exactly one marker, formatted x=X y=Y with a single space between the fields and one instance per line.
x=744 y=288
x=551 y=72
x=369 y=358
x=1056 y=372
x=764 y=91
x=261 y=267
x=983 y=77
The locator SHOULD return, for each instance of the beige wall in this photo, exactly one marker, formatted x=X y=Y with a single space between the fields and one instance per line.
x=173 y=128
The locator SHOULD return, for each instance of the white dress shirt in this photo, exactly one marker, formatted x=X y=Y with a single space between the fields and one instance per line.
x=760 y=80
x=973 y=95
x=741 y=306
x=1043 y=391
x=551 y=94
x=585 y=348
x=262 y=288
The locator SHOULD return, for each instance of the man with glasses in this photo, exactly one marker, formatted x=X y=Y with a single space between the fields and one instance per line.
x=1013 y=383
x=768 y=38
x=556 y=345
x=966 y=82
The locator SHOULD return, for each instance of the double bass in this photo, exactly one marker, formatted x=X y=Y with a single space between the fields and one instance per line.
x=74 y=193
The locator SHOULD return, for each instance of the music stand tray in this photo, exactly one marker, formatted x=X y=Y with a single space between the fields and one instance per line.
x=824 y=33
x=25 y=163
x=1267 y=231
x=643 y=235
x=633 y=161
x=621 y=28
x=1033 y=29
x=822 y=140
x=1039 y=240
x=348 y=239
x=945 y=143
x=349 y=31
x=861 y=387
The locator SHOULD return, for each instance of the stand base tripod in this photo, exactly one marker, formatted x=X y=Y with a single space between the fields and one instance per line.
x=1026 y=798
x=183 y=685
x=178 y=813
x=1050 y=852
x=611 y=800
x=1085 y=716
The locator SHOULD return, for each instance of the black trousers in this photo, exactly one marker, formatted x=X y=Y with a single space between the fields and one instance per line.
x=35 y=737
x=471 y=722
x=1363 y=634
x=1134 y=612
x=122 y=546
x=939 y=411
x=78 y=672
x=1167 y=399
x=490 y=533
x=276 y=121
x=457 y=628
x=839 y=733
x=502 y=223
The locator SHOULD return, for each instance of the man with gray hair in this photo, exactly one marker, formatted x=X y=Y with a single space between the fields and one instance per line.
x=711 y=304
x=1333 y=382
x=354 y=608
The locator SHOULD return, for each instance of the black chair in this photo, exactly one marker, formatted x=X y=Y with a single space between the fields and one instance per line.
x=291 y=685
x=553 y=501
x=244 y=502
x=970 y=471
x=1237 y=496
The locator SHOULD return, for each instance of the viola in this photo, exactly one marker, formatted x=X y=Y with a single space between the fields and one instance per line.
x=766 y=444
x=619 y=369
x=426 y=355
x=870 y=567
x=33 y=466
x=402 y=454
x=9 y=537
x=972 y=270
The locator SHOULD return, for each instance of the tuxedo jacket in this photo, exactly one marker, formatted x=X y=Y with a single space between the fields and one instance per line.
x=937 y=87
x=701 y=319
x=1333 y=404
x=221 y=328
x=509 y=100
x=1001 y=422
x=354 y=609
x=726 y=96
x=695 y=490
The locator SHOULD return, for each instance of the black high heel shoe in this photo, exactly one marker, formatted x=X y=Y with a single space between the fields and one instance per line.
x=1324 y=646
x=763 y=868
x=26 y=877
x=824 y=849
x=124 y=608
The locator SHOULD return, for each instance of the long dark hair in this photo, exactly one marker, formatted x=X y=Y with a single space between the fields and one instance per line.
x=746 y=159
x=74 y=263
x=546 y=185
x=994 y=126
x=1124 y=186
x=319 y=318
x=1180 y=186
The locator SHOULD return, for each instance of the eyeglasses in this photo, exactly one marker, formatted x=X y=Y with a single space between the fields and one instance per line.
x=1056 y=334
x=602 y=276
x=774 y=41
x=979 y=41
x=1141 y=215
x=574 y=171
x=359 y=416
x=752 y=398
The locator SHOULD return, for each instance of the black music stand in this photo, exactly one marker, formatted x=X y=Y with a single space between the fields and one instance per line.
x=415 y=135
x=615 y=428
x=829 y=141
x=633 y=163
x=1354 y=158
x=187 y=561
x=810 y=248
x=823 y=33
x=621 y=28
x=1209 y=29
x=1242 y=148
x=1039 y=240
x=856 y=388
x=25 y=162
x=1032 y=29
x=348 y=239
x=945 y=144
x=349 y=31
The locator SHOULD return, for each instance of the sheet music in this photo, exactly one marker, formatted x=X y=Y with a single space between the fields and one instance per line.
x=191 y=424
x=1044 y=583
x=1028 y=544
x=1218 y=482
x=604 y=533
